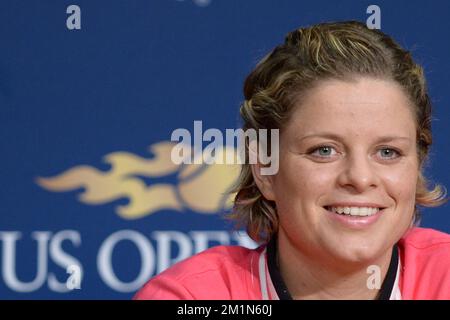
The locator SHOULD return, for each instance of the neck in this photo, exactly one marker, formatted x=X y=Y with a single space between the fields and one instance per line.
x=309 y=277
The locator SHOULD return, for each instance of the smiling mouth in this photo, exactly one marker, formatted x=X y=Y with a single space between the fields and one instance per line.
x=354 y=211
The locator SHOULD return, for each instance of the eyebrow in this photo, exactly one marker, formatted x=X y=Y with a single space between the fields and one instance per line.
x=338 y=137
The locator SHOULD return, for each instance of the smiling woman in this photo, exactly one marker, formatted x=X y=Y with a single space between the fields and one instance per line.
x=355 y=131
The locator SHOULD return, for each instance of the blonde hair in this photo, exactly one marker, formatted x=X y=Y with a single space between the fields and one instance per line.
x=337 y=50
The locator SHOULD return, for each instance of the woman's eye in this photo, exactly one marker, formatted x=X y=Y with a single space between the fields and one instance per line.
x=388 y=153
x=322 y=151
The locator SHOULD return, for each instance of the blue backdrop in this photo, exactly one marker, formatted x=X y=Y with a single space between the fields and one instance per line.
x=93 y=109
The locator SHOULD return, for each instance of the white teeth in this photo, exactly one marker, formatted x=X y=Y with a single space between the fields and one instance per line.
x=355 y=211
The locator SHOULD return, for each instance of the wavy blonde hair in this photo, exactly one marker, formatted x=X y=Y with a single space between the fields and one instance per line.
x=336 y=50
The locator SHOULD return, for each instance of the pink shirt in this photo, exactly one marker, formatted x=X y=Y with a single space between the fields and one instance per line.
x=233 y=272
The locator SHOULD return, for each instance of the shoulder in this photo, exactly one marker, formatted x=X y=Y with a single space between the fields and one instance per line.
x=425 y=258
x=212 y=261
x=426 y=241
x=217 y=273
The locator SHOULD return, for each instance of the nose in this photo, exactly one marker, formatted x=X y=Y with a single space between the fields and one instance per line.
x=358 y=173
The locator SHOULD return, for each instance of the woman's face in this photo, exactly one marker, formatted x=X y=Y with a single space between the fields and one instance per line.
x=348 y=144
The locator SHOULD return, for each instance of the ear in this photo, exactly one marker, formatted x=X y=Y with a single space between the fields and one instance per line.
x=265 y=183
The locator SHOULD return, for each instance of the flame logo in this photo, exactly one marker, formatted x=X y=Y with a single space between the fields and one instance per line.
x=200 y=187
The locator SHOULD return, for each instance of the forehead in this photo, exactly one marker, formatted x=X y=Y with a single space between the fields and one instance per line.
x=365 y=106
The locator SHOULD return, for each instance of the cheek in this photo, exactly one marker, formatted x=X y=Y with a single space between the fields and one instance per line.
x=401 y=183
x=298 y=182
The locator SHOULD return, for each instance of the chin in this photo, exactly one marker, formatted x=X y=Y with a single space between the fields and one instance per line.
x=358 y=252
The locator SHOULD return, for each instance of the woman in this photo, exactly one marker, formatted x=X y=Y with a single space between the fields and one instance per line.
x=338 y=220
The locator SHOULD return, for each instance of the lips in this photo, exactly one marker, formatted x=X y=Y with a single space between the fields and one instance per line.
x=355 y=211
x=359 y=218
